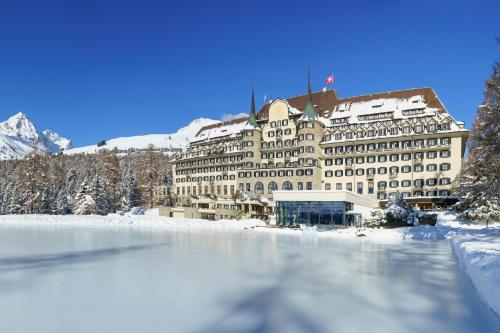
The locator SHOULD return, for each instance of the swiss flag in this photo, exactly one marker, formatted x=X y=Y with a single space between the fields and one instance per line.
x=329 y=79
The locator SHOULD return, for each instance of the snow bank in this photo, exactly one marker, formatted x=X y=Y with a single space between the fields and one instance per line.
x=383 y=235
x=130 y=221
x=479 y=258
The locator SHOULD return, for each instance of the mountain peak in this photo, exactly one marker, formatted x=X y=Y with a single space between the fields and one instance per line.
x=20 y=136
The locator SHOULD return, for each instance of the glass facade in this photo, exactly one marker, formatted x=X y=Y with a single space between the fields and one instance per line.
x=310 y=213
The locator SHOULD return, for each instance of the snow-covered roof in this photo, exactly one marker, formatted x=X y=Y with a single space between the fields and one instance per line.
x=219 y=130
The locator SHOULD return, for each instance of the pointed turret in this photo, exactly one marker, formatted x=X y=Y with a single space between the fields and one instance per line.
x=252 y=121
x=309 y=112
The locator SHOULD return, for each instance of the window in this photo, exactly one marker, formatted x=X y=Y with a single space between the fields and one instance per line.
x=259 y=188
x=445 y=166
x=381 y=196
x=418 y=168
x=406 y=183
x=382 y=185
x=360 y=160
x=349 y=172
x=300 y=186
x=370 y=159
x=309 y=186
x=382 y=158
x=382 y=170
x=285 y=122
x=393 y=184
x=287 y=186
x=349 y=186
x=338 y=173
x=431 y=154
x=431 y=142
x=418 y=183
x=370 y=171
x=338 y=186
x=444 y=153
x=406 y=157
x=394 y=157
x=272 y=187
x=431 y=167
x=370 y=187
x=329 y=173
x=360 y=172
x=359 y=188
x=406 y=168
x=431 y=182
x=338 y=161
x=328 y=186
x=444 y=181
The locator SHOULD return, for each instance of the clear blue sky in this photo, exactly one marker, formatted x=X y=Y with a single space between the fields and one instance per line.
x=99 y=69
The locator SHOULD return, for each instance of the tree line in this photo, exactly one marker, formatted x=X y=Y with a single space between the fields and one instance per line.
x=100 y=183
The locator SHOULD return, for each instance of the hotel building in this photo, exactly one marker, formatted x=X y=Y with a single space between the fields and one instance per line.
x=310 y=152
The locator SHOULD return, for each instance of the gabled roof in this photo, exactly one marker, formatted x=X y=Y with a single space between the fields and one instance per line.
x=322 y=101
x=325 y=102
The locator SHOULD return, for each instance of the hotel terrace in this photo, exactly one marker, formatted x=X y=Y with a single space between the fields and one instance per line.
x=322 y=159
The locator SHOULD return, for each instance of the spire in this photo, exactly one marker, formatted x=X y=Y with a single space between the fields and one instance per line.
x=252 y=121
x=309 y=112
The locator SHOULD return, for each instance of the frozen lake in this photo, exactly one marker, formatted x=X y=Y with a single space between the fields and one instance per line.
x=120 y=279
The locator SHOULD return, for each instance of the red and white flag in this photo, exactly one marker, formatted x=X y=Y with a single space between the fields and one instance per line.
x=329 y=79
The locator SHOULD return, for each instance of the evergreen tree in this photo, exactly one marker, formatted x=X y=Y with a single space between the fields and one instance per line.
x=100 y=195
x=130 y=196
x=83 y=203
x=62 y=206
x=480 y=178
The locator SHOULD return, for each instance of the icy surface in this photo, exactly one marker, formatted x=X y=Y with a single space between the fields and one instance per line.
x=152 y=274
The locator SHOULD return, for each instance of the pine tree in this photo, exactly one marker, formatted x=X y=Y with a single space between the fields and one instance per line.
x=130 y=196
x=480 y=178
x=62 y=206
x=100 y=195
x=83 y=203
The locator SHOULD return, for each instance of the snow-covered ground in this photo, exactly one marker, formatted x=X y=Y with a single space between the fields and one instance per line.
x=147 y=221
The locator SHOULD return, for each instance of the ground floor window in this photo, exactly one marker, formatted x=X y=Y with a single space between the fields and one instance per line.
x=310 y=213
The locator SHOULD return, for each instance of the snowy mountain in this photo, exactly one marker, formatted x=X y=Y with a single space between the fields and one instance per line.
x=19 y=136
x=168 y=142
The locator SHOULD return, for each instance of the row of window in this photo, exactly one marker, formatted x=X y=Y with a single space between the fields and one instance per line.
x=349 y=161
x=206 y=169
x=360 y=148
x=435 y=193
x=367 y=133
x=394 y=170
x=276 y=173
x=205 y=178
x=199 y=190
x=279 y=123
x=278 y=133
x=218 y=160
x=382 y=185
x=259 y=187
x=278 y=144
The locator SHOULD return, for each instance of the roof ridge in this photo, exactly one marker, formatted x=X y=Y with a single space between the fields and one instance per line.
x=386 y=92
